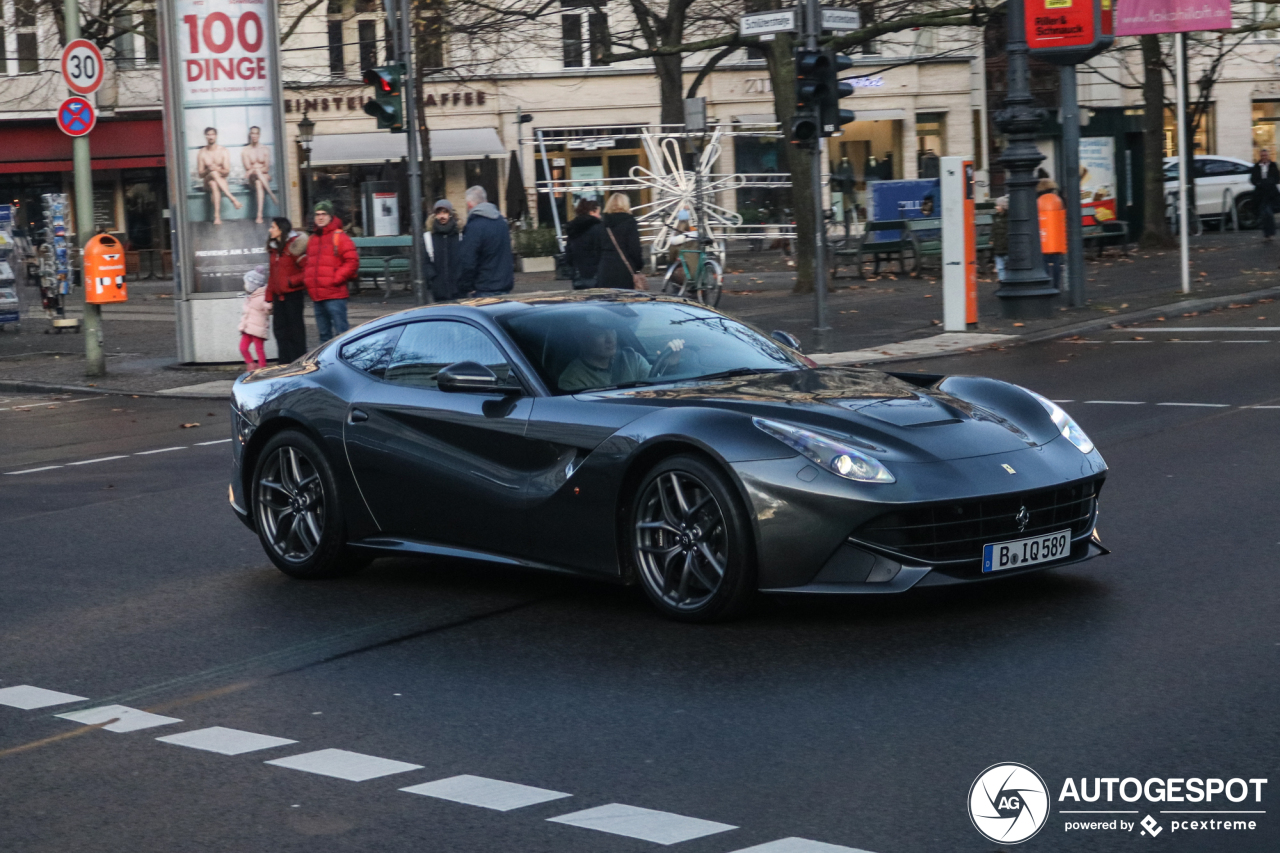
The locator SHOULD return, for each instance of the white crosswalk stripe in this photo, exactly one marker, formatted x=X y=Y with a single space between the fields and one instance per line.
x=126 y=719
x=28 y=698
x=646 y=824
x=486 y=793
x=225 y=741
x=798 y=845
x=341 y=764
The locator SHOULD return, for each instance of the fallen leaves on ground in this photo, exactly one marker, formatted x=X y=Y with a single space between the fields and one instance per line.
x=189 y=426
x=1137 y=338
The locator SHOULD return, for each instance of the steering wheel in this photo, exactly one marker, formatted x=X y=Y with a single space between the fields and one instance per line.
x=665 y=362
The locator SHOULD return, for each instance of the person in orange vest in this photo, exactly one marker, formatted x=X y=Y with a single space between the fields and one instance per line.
x=1053 y=229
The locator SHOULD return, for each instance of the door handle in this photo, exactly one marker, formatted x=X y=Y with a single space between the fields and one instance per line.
x=356 y=416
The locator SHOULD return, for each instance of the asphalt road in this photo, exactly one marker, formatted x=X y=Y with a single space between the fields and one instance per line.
x=862 y=724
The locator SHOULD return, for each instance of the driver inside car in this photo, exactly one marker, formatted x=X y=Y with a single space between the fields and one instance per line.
x=601 y=363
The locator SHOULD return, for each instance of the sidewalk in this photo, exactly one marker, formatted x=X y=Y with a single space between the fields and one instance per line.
x=894 y=316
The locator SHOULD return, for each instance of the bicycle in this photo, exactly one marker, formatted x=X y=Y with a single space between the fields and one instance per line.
x=704 y=281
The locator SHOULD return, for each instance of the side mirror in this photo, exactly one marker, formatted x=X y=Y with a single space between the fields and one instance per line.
x=473 y=376
x=786 y=339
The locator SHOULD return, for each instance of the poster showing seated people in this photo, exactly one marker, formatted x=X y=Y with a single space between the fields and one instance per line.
x=225 y=80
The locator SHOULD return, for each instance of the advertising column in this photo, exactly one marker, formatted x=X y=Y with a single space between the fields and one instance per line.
x=225 y=138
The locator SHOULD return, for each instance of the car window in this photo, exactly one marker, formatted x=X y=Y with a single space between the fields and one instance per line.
x=372 y=353
x=1217 y=168
x=591 y=345
x=427 y=347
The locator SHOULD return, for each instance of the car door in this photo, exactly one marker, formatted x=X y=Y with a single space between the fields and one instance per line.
x=1213 y=176
x=442 y=467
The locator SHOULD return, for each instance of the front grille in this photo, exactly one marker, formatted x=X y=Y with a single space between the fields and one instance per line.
x=955 y=532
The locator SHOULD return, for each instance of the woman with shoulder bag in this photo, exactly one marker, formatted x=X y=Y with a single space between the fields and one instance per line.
x=582 y=244
x=287 y=252
x=621 y=257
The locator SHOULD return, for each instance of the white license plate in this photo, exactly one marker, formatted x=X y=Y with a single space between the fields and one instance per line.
x=1026 y=552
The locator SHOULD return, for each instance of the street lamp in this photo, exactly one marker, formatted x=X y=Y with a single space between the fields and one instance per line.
x=1025 y=291
x=306 y=133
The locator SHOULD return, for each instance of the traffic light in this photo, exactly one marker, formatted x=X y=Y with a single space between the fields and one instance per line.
x=386 y=106
x=818 y=94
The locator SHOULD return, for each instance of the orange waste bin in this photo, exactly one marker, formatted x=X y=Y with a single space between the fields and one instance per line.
x=104 y=270
x=1053 y=224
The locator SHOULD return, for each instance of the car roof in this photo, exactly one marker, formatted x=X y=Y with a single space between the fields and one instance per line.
x=1169 y=160
x=495 y=306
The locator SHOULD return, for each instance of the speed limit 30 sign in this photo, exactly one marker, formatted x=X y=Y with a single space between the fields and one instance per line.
x=82 y=66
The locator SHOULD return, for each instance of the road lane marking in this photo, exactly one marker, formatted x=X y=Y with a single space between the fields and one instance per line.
x=28 y=698
x=225 y=741
x=217 y=441
x=126 y=719
x=1062 y=401
x=1133 y=342
x=99 y=459
x=1116 y=402
x=1192 y=342
x=645 y=824
x=1177 y=329
x=486 y=793
x=1246 y=342
x=34 y=470
x=1260 y=407
x=161 y=450
x=800 y=845
x=341 y=764
x=50 y=404
x=1198 y=405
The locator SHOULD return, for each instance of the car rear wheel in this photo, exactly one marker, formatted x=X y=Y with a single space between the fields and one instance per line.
x=1248 y=214
x=296 y=509
x=691 y=541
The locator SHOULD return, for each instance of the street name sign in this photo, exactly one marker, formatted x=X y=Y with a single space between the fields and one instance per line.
x=76 y=117
x=841 y=20
x=767 y=23
x=82 y=66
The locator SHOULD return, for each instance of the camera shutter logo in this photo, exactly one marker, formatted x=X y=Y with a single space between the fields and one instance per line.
x=1008 y=803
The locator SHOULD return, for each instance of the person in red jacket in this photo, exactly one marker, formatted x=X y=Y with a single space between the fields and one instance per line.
x=286 y=253
x=332 y=261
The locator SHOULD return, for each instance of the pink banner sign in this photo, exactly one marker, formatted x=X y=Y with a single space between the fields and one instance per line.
x=1146 y=17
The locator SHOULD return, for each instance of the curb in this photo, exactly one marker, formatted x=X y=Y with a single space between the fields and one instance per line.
x=1092 y=325
x=22 y=386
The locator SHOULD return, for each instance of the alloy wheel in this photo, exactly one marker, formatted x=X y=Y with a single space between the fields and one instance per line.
x=681 y=541
x=290 y=504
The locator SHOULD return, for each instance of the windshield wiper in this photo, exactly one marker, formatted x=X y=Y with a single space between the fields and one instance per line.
x=743 y=371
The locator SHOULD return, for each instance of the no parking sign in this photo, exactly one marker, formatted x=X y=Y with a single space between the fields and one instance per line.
x=76 y=117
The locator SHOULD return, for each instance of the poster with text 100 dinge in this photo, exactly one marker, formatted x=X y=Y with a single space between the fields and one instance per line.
x=227 y=161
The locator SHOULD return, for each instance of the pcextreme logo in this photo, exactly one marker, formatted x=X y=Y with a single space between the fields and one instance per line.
x=1008 y=803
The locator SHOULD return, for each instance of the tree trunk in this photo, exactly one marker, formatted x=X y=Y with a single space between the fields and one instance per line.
x=1155 y=228
x=782 y=75
x=671 y=87
x=429 y=188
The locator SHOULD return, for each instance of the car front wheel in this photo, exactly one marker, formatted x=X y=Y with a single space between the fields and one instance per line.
x=691 y=541
x=296 y=509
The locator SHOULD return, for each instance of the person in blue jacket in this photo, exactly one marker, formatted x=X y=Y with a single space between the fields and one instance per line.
x=486 y=266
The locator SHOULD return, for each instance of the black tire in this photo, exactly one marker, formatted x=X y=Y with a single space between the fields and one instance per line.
x=1248 y=215
x=296 y=509
x=690 y=542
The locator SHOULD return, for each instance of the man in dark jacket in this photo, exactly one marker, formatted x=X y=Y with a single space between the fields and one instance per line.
x=582 y=244
x=1265 y=178
x=443 y=251
x=486 y=267
x=332 y=261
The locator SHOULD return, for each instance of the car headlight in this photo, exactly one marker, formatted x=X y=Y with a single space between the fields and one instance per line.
x=1069 y=428
x=833 y=455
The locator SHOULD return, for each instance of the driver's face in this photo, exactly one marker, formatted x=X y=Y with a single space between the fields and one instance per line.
x=601 y=344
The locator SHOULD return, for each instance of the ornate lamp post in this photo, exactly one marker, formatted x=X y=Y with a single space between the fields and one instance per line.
x=306 y=133
x=1025 y=291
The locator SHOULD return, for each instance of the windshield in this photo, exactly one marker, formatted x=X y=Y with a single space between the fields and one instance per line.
x=590 y=346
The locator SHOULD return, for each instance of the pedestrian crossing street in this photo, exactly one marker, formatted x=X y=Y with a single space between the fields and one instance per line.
x=496 y=795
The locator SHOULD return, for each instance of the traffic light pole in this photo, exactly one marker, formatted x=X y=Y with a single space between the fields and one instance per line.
x=812 y=29
x=405 y=32
x=95 y=364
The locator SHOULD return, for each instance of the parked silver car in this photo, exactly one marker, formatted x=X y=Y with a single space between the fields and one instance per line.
x=1213 y=176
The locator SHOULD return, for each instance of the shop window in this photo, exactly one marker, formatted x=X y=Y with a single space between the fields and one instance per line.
x=368 y=37
x=761 y=205
x=1266 y=114
x=483 y=173
x=571 y=40
x=931 y=143
x=1204 y=133
x=337 y=62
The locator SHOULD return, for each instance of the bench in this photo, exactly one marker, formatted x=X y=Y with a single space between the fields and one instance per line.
x=1102 y=232
x=883 y=241
x=385 y=259
x=927 y=236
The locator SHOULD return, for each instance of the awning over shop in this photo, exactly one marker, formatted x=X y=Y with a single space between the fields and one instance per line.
x=353 y=149
x=119 y=144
